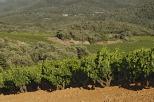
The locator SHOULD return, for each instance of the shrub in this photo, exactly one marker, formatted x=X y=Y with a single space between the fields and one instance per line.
x=9 y=84
x=1 y=80
x=20 y=79
x=88 y=66
x=57 y=74
x=139 y=65
x=105 y=69
x=17 y=79
x=73 y=64
x=64 y=35
x=42 y=51
x=104 y=65
x=3 y=62
x=34 y=75
x=81 y=52
x=21 y=60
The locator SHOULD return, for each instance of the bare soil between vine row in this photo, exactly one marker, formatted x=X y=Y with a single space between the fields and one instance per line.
x=111 y=94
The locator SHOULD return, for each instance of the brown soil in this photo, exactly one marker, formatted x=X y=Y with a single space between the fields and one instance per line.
x=73 y=42
x=113 y=94
x=67 y=42
x=109 y=42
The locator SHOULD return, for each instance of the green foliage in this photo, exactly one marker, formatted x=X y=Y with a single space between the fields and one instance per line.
x=20 y=78
x=16 y=79
x=34 y=74
x=8 y=80
x=72 y=64
x=81 y=52
x=88 y=66
x=57 y=74
x=106 y=62
x=3 y=62
x=105 y=69
x=146 y=9
x=64 y=36
x=139 y=65
x=22 y=54
x=134 y=43
x=1 y=80
x=42 y=51
x=139 y=12
x=93 y=21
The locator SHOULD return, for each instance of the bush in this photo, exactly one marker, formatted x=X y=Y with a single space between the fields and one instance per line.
x=105 y=69
x=139 y=65
x=73 y=64
x=64 y=35
x=34 y=75
x=106 y=62
x=41 y=51
x=17 y=79
x=57 y=74
x=81 y=52
x=1 y=80
x=88 y=66
x=3 y=62
x=20 y=79
x=21 y=60
x=9 y=84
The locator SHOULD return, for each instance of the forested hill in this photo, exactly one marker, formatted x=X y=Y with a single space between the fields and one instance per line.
x=64 y=5
x=48 y=13
x=73 y=6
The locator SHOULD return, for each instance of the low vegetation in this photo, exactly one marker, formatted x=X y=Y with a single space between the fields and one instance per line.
x=18 y=54
x=52 y=45
x=106 y=68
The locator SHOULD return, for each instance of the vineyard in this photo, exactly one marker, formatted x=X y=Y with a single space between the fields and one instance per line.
x=106 y=68
x=76 y=51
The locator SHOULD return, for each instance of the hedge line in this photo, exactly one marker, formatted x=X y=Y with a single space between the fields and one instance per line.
x=106 y=68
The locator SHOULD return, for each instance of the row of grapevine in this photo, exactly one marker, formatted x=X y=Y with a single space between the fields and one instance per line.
x=17 y=79
x=106 y=68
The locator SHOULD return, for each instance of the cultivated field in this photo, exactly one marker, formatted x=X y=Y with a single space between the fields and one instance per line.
x=76 y=50
x=113 y=94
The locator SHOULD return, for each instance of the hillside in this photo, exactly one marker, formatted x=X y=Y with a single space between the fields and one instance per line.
x=91 y=50
x=51 y=15
x=75 y=22
x=11 y=5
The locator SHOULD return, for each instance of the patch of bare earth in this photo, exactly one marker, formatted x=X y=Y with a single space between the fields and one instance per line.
x=112 y=94
x=74 y=42
x=109 y=42
x=67 y=42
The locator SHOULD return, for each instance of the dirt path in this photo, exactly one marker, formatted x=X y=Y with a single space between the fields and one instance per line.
x=73 y=42
x=113 y=94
